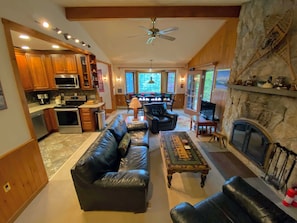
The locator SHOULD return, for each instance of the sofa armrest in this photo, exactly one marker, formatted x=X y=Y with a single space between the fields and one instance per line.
x=258 y=207
x=124 y=179
x=184 y=213
x=170 y=114
x=137 y=126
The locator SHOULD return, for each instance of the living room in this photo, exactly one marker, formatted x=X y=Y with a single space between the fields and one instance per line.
x=282 y=131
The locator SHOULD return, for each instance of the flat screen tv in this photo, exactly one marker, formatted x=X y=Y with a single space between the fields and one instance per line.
x=207 y=110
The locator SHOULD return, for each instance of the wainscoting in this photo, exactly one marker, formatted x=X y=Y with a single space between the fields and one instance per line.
x=23 y=169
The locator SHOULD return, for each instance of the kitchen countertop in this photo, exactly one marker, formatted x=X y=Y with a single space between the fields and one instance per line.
x=37 y=107
x=95 y=105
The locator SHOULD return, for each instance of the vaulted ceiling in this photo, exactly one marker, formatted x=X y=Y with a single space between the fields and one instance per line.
x=120 y=27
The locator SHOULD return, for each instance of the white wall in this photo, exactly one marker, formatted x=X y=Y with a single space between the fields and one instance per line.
x=13 y=128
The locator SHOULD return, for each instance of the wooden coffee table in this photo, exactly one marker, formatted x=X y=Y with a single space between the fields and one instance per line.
x=180 y=154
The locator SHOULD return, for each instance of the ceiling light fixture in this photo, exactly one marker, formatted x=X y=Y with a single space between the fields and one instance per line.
x=25 y=47
x=57 y=30
x=45 y=24
x=67 y=36
x=23 y=36
x=151 y=67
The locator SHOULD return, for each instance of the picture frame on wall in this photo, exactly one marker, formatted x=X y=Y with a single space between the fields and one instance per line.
x=222 y=79
x=2 y=99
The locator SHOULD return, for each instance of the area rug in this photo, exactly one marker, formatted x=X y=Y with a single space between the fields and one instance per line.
x=226 y=163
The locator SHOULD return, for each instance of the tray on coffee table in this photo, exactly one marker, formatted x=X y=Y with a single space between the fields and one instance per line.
x=181 y=155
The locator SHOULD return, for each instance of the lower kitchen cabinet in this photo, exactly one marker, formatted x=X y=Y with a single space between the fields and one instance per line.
x=51 y=120
x=88 y=119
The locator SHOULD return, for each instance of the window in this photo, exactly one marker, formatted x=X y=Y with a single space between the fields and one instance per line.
x=129 y=82
x=208 y=83
x=143 y=82
x=170 y=82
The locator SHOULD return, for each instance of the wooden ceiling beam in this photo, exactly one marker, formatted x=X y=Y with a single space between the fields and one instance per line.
x=94 y=13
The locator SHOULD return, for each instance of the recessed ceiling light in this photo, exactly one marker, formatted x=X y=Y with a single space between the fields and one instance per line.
x=45 y=24
x=23 y=36
x=25 y=47
x=77 y=40
x=55 y=46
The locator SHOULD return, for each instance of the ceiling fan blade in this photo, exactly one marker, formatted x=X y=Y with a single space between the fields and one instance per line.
x=150 y=40
x=171 y=38
x=168 y=30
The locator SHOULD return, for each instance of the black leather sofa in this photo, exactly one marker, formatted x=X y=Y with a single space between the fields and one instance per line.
x=113 y=173
x=237 y=203
x=159 y=118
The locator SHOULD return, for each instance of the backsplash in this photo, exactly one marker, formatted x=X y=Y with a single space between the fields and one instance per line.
x=32 y=96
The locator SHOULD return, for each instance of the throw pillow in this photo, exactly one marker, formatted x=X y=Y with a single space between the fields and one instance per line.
x=124 y=144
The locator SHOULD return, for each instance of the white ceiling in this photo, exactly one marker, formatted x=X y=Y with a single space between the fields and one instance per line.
x=124 y=41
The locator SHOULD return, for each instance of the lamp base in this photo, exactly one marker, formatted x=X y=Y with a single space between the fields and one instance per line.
x=135 y=114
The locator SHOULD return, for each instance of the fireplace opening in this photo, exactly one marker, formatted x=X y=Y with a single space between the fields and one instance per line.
x=251 y=140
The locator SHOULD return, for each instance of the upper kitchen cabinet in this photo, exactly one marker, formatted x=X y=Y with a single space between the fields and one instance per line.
x=64 y=63
x=24 y=71
x=84 y=72
x=36 y=64
x=50 y=72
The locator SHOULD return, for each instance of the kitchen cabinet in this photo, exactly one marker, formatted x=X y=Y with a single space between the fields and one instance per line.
x=24 y=71
x=88 y=119
x=84 y=72
x=64 y=63
x=51 y=120
x=36 y=63
x=93 y=68
x=50 y=72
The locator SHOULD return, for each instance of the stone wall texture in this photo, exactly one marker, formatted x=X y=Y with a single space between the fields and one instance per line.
x=277 y=114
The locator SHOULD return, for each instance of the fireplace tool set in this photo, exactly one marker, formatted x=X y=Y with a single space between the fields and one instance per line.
x=280 y=167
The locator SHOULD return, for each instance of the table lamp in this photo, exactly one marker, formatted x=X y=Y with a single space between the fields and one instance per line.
x=135 y=104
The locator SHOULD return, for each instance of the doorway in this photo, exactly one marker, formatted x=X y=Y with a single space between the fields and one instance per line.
x=199 y=87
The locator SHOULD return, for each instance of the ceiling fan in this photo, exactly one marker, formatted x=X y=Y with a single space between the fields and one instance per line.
x=154 y=32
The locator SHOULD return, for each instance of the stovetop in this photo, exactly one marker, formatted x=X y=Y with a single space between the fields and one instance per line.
x=73 y=101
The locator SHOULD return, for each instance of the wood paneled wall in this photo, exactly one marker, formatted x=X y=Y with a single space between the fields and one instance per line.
x=220 y=49
x=23 y=169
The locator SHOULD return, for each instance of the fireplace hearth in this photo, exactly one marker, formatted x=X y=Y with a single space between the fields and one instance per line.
x=252 y=141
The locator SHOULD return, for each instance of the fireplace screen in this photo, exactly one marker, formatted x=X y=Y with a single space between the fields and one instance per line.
x=251 y=141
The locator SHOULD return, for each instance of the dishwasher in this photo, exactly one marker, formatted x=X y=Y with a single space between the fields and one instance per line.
x=39 y=124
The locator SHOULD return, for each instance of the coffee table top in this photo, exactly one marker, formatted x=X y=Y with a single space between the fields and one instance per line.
x=180 y=152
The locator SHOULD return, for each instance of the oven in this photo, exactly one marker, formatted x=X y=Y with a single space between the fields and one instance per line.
x=67 y=114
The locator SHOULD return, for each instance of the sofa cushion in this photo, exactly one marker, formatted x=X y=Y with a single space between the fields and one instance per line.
x=136 y=159
x=118 y=128
x=124 y=144
x=101 y=157
x=140 y=138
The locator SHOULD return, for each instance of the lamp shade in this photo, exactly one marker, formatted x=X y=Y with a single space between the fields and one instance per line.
x=135 y=103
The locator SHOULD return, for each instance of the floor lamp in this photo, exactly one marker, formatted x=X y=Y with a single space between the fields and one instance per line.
x=135 y=104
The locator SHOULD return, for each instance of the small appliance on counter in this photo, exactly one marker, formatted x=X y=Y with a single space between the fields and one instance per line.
x=43 y=99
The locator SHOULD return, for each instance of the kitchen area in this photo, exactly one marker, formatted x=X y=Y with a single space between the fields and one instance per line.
x=61 y=90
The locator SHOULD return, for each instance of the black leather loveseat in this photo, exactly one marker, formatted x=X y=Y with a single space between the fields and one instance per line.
x=159 y=118
x=113 y=174
x=237 y=203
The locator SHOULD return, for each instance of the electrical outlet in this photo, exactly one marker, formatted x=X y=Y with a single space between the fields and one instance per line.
x=7 y=187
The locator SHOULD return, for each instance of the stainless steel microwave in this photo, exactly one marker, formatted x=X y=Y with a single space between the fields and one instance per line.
x=67 y=81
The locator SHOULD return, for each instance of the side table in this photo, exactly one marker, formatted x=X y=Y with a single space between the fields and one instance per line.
x=206 y=125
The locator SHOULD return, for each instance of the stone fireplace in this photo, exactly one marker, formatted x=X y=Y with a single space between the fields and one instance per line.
x=253 y=141
x=269 y=111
